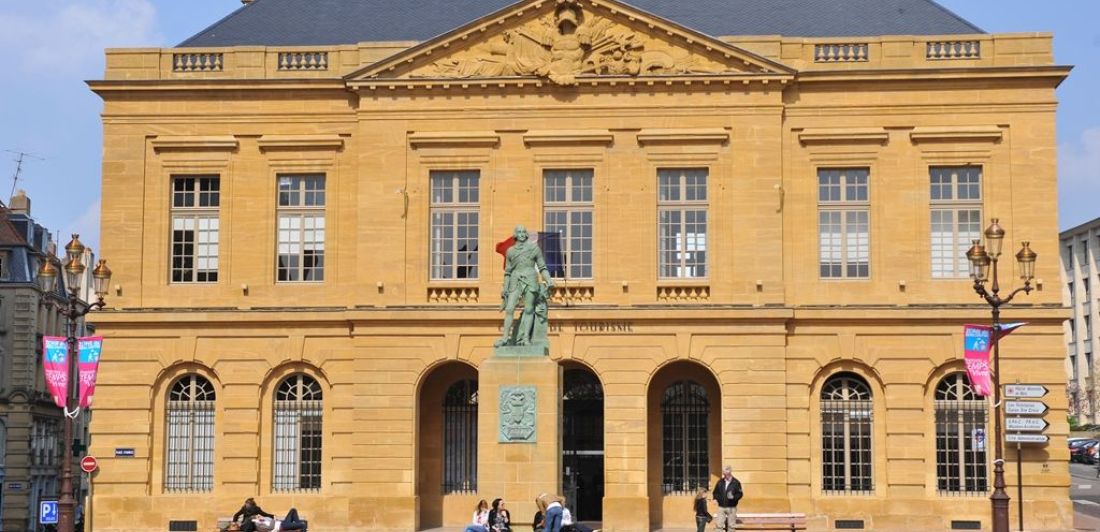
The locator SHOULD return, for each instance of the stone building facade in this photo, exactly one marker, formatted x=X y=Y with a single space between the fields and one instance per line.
x=30 y=423
x=763 y=238
x=1080 y=247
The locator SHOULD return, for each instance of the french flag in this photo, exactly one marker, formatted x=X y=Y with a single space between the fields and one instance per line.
x=548 y=242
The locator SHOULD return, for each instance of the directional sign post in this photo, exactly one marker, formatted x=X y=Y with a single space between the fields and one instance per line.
x=1027 y=438
x=1025 y=408
x=1025 y=391
x=47 y=513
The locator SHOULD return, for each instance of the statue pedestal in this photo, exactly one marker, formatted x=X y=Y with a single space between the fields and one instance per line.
x=511 y=351
x=519 y=428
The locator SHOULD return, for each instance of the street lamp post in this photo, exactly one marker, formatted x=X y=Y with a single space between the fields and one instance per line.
x=72 y=308
x=981 y=258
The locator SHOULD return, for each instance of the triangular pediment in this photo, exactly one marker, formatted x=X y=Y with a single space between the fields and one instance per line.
x=566 y=42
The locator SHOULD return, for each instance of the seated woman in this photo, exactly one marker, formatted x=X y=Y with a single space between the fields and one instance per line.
x=480 y=521
x=499 y=518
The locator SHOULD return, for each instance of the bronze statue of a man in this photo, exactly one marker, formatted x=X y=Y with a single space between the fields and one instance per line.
x=522 y=266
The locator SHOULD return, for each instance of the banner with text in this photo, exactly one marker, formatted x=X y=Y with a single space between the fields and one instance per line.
x=55 y=361
x=90 y=349
x=976 y=342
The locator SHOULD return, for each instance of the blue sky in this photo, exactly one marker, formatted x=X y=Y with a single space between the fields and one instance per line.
x=51 y=46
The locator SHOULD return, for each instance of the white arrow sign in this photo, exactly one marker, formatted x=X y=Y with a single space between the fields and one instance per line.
x=1026 y=423
x=1027 y=391
x=1027 y=438
x=1025 y=407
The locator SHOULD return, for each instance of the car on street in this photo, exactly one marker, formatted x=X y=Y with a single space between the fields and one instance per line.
x=1083 y=451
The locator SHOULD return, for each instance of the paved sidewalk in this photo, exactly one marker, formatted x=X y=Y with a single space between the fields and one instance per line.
x=1082 y=521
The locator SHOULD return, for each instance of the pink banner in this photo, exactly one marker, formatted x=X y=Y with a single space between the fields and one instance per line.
x=977 y=340
x=90 y=349
x=55 y=361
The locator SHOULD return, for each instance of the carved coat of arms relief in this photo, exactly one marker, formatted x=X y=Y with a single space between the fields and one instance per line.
x=568 y=43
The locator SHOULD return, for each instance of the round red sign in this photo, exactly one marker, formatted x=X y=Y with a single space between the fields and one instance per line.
x=89 y=464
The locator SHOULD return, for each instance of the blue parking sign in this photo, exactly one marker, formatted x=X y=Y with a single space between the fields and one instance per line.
x=47 y=513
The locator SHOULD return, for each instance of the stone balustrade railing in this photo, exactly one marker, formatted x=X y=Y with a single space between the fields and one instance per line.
x=334 y=62
x=303 y=60
x=940 y=50
x=198 y=62
x=840 y=53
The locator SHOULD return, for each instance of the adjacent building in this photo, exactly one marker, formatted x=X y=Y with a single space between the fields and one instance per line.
x=1081 y=277
x=763 y=208
x=30 y=423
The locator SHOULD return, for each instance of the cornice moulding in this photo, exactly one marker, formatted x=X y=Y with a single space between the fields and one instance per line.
x=448 y=138
x=268 y=142
x=864 y=134
x=226 y=142
x=988 y=133
x=710 y=135
x=575 y=136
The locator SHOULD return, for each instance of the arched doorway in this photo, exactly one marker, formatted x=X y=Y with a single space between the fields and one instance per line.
x=447 y=445
x=582 y=443
x=684 y=437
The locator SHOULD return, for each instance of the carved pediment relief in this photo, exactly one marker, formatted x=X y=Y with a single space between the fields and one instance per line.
x=564 y=40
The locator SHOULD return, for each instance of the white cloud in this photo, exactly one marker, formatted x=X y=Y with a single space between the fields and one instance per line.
x=65 y=37
x=1079 y=179
x=86 y=225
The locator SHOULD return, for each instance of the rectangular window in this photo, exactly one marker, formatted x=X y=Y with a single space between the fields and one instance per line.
x=195 y=204
x=454 y=213
x=567 y=210
x=301 y=214
x=955 y=196
x=844 y=211
x=682 y=223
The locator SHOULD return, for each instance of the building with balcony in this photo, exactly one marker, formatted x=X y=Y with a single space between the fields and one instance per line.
x=30 y=423
x=1079 y=247
x=763 y=209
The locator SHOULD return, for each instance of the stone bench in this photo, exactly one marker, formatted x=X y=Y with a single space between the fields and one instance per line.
x=748 y=521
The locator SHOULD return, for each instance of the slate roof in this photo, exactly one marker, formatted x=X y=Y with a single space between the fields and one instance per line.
x=330 y=22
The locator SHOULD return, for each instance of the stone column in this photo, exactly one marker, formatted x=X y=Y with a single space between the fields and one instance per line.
x=519 y=427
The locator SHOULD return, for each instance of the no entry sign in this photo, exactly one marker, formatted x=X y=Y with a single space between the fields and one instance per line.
x=89 y=464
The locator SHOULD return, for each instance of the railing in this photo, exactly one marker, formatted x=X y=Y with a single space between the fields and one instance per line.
x=452 y=294
x=198 y=62
x=942 y=50
x=841 y=53
x=572 y=294
x=818 y=53
x=303 y=60
x=682 y=294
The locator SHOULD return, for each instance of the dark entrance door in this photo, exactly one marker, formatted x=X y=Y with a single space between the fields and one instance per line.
x=582 y=444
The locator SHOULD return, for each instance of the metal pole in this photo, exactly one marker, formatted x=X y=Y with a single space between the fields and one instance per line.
x=1020 y=485
x=66 y=503
x=1000 y=498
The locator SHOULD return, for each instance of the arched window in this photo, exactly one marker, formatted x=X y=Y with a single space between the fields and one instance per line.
x=846 y=428
x=190 y=435
x=961 y=431
x=296 y=464
x=684 y=441
x=460 y=438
